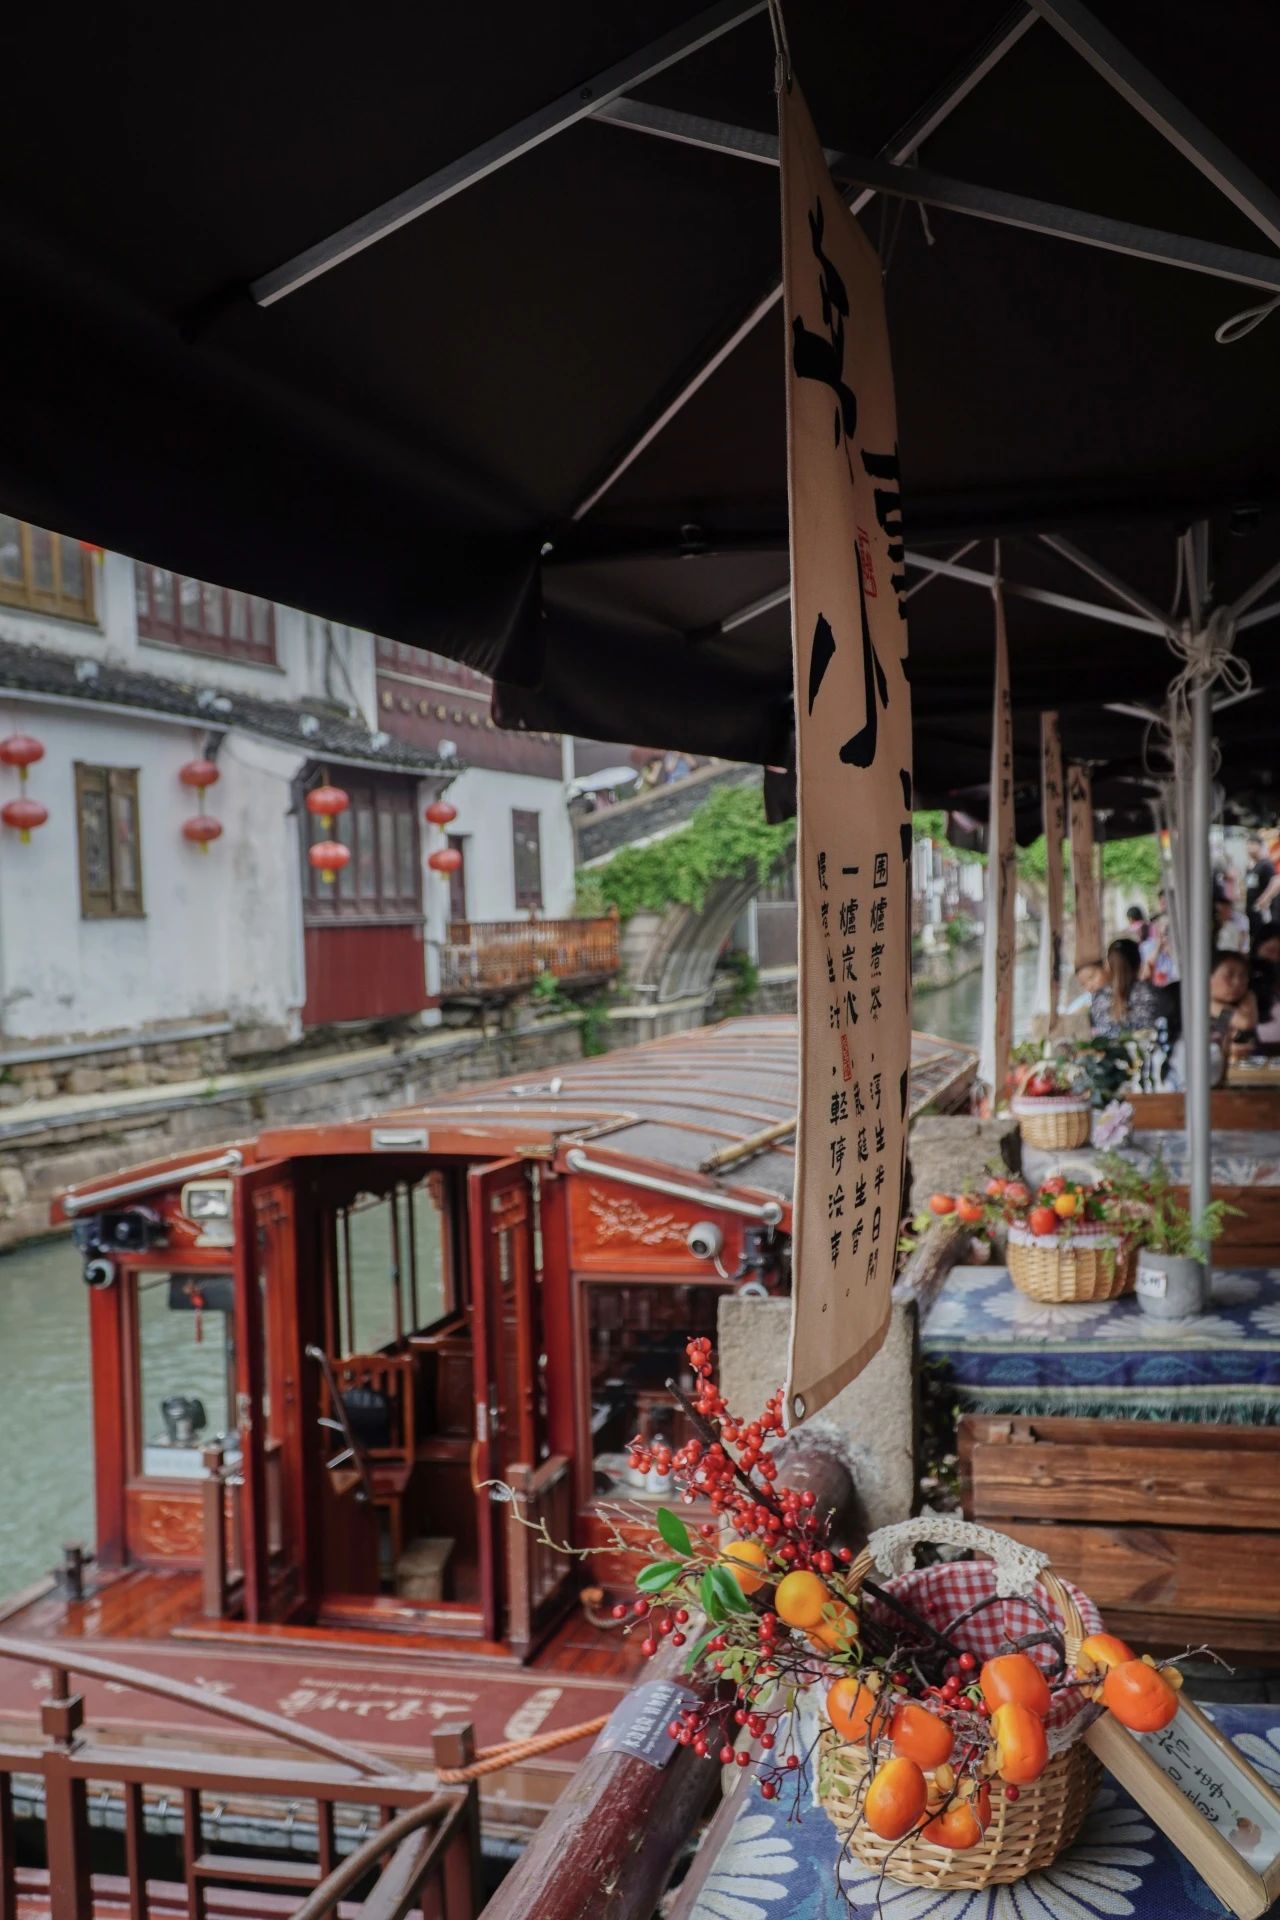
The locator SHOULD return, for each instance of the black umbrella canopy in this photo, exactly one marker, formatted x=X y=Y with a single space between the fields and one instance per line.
x=489 y=432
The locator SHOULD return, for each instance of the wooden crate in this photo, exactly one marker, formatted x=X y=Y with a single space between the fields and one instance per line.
x=1172 y=1529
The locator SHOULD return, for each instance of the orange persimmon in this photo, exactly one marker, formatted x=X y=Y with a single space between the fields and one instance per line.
x=962 y=1824
x=1021 y=1748
x=800 y=1598
x=920 y=1735
x=1015 y=1676
x=1100 y=1651
x=748 y=1562
x=895 y=1798
x=1139 y=1696
x=837 y=1631
x=851 y=1707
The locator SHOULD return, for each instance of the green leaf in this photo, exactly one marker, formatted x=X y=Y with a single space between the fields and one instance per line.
x=697 y=1650
x=674 y=1531
x=708 y=1598
x=727 y=1590
x=656 y=1576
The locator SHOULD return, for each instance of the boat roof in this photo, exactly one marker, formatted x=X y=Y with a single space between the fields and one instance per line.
x=717 y=1103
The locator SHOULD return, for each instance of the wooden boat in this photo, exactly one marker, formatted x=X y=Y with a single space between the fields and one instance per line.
x=326 y=1359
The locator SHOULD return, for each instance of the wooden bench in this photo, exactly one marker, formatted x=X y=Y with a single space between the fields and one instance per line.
x=1173 y=1530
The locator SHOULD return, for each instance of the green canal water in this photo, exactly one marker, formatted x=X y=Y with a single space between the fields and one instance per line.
x=46 y=1472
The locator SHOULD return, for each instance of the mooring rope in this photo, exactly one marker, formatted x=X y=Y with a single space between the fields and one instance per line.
x=508 y=1752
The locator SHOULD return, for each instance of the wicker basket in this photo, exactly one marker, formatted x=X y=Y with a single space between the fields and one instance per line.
x=1059 y=1268
x=1022 y=1836
x=1053 y=1122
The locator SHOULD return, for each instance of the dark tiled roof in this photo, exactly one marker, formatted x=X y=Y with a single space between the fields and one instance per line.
x=319 y=731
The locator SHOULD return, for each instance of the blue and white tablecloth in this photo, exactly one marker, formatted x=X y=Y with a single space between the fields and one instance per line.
x=1005 y=1353
x=1121 y=1867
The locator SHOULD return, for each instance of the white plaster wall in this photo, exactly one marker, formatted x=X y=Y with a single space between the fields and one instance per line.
x=485 y=801
x=216 y=936
x=315 y=660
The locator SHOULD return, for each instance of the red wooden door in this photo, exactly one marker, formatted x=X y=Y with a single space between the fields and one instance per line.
x=507 y=1348
x=271 y=1395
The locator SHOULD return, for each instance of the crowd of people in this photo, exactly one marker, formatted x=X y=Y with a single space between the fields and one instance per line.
x=1136 y=986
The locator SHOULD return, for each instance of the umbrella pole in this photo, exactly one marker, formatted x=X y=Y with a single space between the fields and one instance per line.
x=1197 y=918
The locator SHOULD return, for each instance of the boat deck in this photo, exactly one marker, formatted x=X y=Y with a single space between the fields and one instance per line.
x=382 y=1691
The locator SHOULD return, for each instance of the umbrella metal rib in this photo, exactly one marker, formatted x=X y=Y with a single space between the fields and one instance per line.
x=900 y=147
x=578 y=103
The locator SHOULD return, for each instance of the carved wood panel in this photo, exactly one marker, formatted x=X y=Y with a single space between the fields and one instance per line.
x=165 y=1523
x=616 y=1229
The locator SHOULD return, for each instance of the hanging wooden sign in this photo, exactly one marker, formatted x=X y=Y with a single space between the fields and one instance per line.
x=853 y=777
x=1002 y=882
x=1055 y=828
x=1088 y=918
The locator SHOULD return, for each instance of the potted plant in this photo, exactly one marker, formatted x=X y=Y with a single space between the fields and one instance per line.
x=1171 y=1280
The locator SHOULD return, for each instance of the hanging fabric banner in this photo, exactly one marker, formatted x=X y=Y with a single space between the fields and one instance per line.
x=853 y=773
x=1002 y=880
x=1055 y=830
x=1083 y=879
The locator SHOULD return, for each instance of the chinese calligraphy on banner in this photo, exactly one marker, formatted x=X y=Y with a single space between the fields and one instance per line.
x=998 y=926
x=853 y=777
x=1083 y=880
x=1055 y=828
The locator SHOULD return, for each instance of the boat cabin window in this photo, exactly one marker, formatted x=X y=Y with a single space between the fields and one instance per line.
x=185 y=1348
x=636 y=1338
x=393 y=1265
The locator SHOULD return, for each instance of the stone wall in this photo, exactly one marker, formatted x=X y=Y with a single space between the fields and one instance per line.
x=46 y=1146
x=874 y=1418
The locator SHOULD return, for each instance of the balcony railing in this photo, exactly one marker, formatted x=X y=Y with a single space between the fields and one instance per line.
x=503 y=956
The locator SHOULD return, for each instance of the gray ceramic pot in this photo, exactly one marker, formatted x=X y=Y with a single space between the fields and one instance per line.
x=1169 y=1285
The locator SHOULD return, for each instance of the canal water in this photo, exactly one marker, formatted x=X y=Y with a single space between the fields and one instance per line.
x=46 y=1473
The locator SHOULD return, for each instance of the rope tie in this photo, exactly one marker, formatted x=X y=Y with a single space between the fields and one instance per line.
x=508 y=1752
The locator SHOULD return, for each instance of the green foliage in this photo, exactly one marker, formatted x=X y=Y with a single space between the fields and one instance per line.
x=1165 y=1225
x=674 y=1531
x=959 y=932
x=657 y=1575
x=746 y=979
x=593 y=1025
x=931 y=824
x=1135 y=866
x=728 y=838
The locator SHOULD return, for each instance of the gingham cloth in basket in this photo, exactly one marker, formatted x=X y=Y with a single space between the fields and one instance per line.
x=943 y=1591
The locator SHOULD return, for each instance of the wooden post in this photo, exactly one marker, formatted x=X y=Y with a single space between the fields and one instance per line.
x=66 y=1805
x=8 y=1892
x=609 y=1845
x=214 y=1544
x=463 y=1883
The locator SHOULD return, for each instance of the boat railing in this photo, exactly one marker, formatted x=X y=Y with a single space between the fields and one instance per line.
x=502 y=956
x=422 y=1841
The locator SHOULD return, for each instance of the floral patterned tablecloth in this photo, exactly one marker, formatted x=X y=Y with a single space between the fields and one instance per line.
x=772 y=1866
x=1005 y=1353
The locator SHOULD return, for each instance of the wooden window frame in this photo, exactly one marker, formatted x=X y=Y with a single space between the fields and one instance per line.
x=528 y=820
x=380 y=807
x=25 y=594
x=115 y=901
x=192 y=635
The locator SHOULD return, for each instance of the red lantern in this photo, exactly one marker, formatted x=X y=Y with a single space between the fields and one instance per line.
x=329 y=857
x=445 y=860
x=199 y=774
x=326 y=802
x=201 y=829
x=21 y=750
x=440 y=813
x=24 y=814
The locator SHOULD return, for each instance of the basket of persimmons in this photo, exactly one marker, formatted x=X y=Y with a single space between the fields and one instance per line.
x=953 y=1696
x=957 y=1761
x=1052 y=1104
x=1065 y=1241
